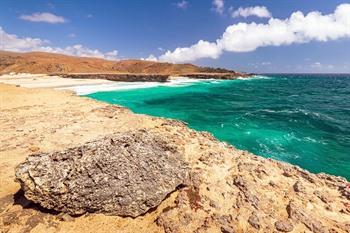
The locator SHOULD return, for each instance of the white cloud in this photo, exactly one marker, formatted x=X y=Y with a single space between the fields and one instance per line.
x=150 y=58
x=246 y=37
x=11 y=42
x=319 y=65
x=259 y=11
x=219 y=6
x=45 y=17
x=182 y=5
x=200 y=50
x=71 y=35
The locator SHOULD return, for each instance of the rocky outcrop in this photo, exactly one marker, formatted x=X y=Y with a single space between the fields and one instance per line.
x=224 y=76
x=128 y=77
x=123 y=174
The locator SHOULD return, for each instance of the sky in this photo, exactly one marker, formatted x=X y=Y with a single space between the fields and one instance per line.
x=267 y=36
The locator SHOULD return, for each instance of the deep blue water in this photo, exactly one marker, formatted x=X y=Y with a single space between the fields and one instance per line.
x=301 y=119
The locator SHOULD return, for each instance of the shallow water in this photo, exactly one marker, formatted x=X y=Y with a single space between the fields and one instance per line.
x=301 y=119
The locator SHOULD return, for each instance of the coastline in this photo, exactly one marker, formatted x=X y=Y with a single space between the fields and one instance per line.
x=235 y=188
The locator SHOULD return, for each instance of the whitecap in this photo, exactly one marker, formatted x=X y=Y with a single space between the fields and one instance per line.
x=254 y=77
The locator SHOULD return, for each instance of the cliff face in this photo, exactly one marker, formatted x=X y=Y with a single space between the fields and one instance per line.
x=227 y=190
x=49 y=63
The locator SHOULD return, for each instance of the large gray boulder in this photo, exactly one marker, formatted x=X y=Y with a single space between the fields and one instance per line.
x=122 y=174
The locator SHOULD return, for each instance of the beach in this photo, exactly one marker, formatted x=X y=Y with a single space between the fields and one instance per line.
x=46 y=81
x=234 y=190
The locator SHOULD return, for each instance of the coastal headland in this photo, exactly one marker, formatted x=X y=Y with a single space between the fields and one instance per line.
x=217 y=188
x=93 y=68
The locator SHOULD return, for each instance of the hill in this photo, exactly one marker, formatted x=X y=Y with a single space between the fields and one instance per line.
x=51 y=63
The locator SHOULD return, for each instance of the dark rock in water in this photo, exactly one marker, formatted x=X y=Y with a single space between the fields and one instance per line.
x=122 y=174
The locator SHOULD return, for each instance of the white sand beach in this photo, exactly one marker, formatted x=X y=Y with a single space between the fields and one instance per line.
x=47 y=81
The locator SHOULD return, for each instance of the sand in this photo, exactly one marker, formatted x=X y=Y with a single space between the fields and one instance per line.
x=46 y=81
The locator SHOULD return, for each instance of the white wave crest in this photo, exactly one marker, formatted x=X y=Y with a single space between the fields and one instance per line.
x=254 y=77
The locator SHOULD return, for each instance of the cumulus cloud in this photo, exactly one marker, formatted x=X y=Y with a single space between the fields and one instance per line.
x=44 y=17
x=200 y=50
x=247 y=37
x=150 y=58
x=259 y=11
x=219 y=6
x=182 y=5
x=11 y=42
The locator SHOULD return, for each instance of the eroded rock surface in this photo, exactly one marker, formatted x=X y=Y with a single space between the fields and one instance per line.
x=228 y=190
x=124 y=174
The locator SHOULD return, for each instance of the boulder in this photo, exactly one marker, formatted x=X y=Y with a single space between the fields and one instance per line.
x=124 y=174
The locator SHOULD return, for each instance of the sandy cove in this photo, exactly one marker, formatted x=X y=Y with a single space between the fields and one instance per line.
x=231 y=190
x=46 y=81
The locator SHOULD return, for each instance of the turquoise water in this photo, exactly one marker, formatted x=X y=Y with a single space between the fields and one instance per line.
x=300 y=119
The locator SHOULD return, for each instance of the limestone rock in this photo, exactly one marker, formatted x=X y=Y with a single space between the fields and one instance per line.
x=298 y=187
x=284 y=225
x=122 y=174
x=297 y=213
x=254 y=220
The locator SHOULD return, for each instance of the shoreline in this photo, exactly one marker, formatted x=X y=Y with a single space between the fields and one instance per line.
x=58 y=83
x=47 y=81
x=260 y=191
x=83 y=86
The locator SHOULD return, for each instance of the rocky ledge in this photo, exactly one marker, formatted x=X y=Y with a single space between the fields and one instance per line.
x=131 y=173
x=122 y=77
x=145 y=160
x=123 y=174
x=129 y=77
x=224 y=76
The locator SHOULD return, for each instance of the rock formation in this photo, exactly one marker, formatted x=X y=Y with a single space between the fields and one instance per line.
x=123 y=174
x=227 y=190
x=128 y=77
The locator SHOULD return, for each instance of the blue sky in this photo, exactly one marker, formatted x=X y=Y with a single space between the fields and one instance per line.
x=139 y=28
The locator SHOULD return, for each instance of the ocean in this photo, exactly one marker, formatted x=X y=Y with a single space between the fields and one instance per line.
x=296 y=118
